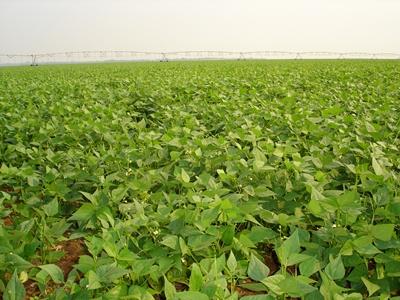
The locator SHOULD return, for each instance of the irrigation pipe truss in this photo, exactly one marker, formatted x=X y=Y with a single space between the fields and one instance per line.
x=92 y=56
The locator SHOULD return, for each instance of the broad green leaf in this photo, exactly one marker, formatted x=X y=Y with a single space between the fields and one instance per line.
x=54 y=271
x=185 y=177
x=257 y=270
x=169 y=289
x=94 y=281
x=371 y=287
x=15 y=289
x=110 y=248
x=258 y=297
x=171 y=241
x=352 y=296
x=335 y=269
x=363 y=245
x=196 y=278
x=228 y=235
x=294 y=287
x=309 y=266
x=329 y=289
x=289 y=247
x=382 y=232
x=254 y=286
x=183 y=247
x=51 y=209
x=272 y=283
x=378 y=168
x=191 y=296
x=17 y=261
x=315 y=295
x=119 y=193
x=297 y=258
x=260 y=234
x=84 y=213
x=231 y=262
x=110 y=272
x=316 y=194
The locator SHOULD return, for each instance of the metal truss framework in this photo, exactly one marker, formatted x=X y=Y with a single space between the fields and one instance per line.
x=96 y=56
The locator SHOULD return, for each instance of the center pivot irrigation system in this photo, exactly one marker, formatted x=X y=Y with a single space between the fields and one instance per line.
x=104 y=56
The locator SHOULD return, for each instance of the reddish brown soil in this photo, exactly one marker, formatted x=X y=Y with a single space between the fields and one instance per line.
x=7 y=221
x=292 y=270
x=244 y=292
x=72 y=249
x=31 y=289
x=180 y=286
x=272 y=262
x=8 y=189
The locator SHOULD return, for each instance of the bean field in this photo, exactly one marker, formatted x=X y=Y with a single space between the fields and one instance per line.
x=200 y=180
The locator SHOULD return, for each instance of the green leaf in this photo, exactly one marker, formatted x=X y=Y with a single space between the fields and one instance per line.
x=17 y=261
x=110 y=272
x=316 y=194
x=54 y=271
x=171 y=241
x=335 y=269
x=371 y=287
x=257 y=270
x=297 y=258
x=378 y=168
x=315 y=295
x=258 y=297
x=259 y=234
x=294 y=287
x=185 y=177
x=329 y=288
x=111 y=248
x=84 y=213
x=183 y=247
x=196 y=278
x=15 y=289
x=231 y=262
x=169 y=289
x=309 y=266
x=383 y=232
x=228 y=235
x=51 y=208
x=352 y=296
x=289 y=247
x=118 y=194
x=363 y=245
x=254 y=286
x=272 y=282
x=191 y=296
x=94 y=280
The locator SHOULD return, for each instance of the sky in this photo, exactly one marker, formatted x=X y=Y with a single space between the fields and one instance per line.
x=40 y=26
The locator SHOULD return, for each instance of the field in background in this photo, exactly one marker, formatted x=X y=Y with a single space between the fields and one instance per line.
x=200 y=180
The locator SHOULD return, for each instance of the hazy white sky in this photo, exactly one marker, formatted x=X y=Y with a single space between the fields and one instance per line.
x=175 y=25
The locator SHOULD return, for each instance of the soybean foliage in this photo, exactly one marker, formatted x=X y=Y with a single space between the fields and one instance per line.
x=200 y=180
